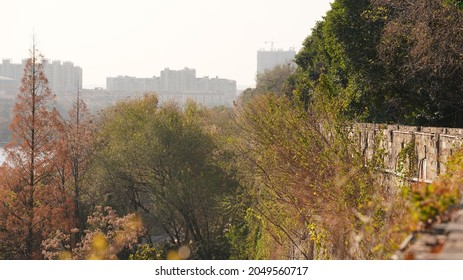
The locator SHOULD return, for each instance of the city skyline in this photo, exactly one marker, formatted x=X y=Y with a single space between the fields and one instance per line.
x=63 y=77
x=170 y=80
x=107 y=38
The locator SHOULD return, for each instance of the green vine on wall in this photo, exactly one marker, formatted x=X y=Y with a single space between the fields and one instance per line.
x=406 y=163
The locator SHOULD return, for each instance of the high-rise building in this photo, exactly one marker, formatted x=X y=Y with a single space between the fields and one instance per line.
x=12 y=70
x=8 y=87
x=130 y=84
x=267 y=60
x=62 y=78
x=179 y=85
x=178 y=80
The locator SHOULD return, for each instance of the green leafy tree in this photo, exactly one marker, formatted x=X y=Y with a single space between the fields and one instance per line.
x=456 y=3
x=343 y=47
x=276 y=81
x=422 y=44
x=163 y=161
x=392 y=61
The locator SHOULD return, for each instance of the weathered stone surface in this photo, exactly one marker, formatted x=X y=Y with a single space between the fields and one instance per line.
x=431 y=147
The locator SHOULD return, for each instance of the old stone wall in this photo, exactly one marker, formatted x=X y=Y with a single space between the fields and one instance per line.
x=420 y=151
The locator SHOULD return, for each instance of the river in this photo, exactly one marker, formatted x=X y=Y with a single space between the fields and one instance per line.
x=2 y=156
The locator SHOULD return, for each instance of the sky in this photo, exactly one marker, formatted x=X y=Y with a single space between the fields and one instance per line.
x=142 y=37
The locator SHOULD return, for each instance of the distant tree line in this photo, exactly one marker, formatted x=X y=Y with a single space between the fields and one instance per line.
x=6 y=115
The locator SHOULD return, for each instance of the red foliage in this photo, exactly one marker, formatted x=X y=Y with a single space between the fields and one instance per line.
x=32 y=205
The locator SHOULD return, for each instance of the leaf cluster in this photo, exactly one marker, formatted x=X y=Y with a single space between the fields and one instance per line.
x=394 y=61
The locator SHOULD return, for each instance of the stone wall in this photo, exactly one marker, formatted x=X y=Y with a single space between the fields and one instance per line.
x=428 y=148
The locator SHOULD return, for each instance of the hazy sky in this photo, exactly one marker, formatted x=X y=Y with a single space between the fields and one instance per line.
x=142 y=37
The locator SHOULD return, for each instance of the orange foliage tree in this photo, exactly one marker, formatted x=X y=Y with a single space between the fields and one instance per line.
x=74 y=149
x=31 y=204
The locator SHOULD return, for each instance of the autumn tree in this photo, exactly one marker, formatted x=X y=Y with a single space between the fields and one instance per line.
x=30 y=208
x=74 y=150
x=106 y=237
x=307 y=191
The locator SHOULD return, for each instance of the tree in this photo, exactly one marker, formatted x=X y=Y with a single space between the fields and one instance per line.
x=456 y=3
x=307 y=191
x=74 y=151
x=391 y=61
x=275 y=80
x=31 y=208
x=163 y=162
x=106 y=237
x=343 y=48
x=422 y=42
x=6 y=115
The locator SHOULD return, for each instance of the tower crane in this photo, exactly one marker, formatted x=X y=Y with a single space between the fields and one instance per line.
x=271 y=44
